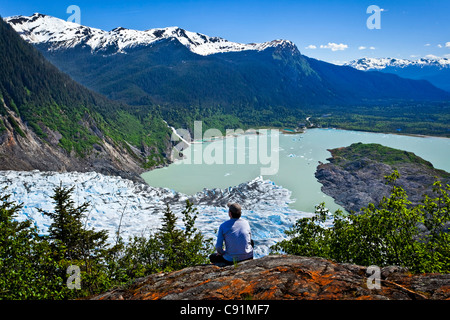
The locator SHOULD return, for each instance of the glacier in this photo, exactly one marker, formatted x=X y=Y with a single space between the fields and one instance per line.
x=264 y=204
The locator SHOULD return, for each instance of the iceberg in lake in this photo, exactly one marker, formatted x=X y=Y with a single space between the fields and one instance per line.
x=264 y=204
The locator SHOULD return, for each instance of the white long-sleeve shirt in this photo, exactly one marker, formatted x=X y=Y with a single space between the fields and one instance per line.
x=237 y=236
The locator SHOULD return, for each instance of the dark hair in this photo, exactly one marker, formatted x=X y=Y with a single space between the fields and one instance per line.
x=235 y=210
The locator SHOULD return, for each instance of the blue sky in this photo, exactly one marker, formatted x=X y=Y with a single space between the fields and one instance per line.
x=328 y=30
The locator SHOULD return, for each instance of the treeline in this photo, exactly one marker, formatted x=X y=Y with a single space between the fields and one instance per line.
x=35 y=266
x=233 y=117
x=422 y=118
x=405 y=118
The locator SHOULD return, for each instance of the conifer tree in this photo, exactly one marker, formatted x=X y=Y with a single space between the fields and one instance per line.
x=171 y=241
x=26 y=261
x=67 y=230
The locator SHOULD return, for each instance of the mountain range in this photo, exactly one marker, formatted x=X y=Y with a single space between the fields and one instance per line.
x=187 y=75
x=107 y=107
x=60 y=34
x=434 y=69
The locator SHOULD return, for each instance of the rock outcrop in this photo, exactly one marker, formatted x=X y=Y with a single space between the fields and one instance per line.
x=354 y=177
x=284 y=277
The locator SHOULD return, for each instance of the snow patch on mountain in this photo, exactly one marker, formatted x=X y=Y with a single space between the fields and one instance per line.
x=60 y=34
x=366 y=64
x=265 y=204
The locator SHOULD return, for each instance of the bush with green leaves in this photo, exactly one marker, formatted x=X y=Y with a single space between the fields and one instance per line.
x=168 y=249
x=392 y=233
x=74 y=244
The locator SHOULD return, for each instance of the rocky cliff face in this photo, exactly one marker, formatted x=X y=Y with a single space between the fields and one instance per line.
x=26 y=151
x=284 y=277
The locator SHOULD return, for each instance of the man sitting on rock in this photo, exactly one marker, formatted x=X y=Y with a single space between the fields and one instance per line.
x=237 y=236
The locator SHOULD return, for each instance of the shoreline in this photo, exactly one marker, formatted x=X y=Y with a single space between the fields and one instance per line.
x=282 y=131
x=416 y=135
x=294 y=131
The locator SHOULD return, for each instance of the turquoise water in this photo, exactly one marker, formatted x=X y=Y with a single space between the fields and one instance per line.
x=298 y=157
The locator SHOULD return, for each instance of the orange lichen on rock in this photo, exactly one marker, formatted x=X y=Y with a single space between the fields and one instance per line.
x=283 y=277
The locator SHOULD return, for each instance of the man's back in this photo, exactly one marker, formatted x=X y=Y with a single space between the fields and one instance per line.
x=237 y=236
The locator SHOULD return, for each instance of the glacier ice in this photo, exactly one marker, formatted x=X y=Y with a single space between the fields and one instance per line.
x=265 y=205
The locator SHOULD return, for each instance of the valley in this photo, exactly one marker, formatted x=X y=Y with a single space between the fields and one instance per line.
x=187 y=76
x=114 y=138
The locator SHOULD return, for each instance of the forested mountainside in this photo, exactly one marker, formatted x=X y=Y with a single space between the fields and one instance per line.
x=50 y=122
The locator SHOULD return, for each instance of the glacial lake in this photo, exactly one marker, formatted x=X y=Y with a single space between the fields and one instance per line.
x=298 y=156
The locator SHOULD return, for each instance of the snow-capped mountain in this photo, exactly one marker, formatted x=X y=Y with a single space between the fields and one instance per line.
x=382 y=63
x=431 y=68
x=40 y=28
x=174 y=67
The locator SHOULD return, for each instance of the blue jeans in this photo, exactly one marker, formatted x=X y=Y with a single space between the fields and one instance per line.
x=218 y=258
